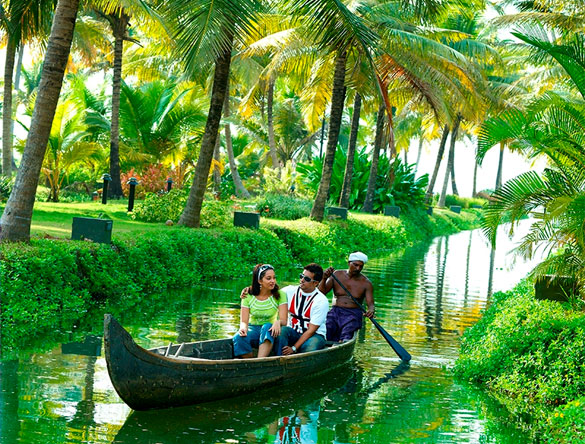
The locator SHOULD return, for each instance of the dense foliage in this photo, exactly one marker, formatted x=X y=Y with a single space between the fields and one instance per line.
x=281 y=206
x=404 y=190
x=530 y=355
x=57 y=281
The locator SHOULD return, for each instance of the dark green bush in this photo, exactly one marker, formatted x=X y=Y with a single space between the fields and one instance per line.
x=51 y=279
x=281 y=206
x=405 y=190
x=161 y=207
x=216 y=214
x=169 y=206
x=463 y=202
x=528 y=353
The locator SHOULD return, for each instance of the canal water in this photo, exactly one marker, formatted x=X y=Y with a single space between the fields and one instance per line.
x=425 y=296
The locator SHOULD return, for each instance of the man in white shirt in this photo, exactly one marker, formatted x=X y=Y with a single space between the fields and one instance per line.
x=307 y=314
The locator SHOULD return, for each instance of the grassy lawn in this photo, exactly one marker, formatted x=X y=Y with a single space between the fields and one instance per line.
x=52 y=219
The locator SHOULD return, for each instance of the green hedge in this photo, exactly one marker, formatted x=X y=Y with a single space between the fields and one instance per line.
x=50 y=282
x=531 y=355
x=56 y=281
x=332 y=241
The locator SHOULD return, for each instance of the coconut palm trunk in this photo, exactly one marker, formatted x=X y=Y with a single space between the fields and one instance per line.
x=500 y=166
x=337 y=101
x=16 y=219
x=418 y=153
x=192 y=212
x=119 y=23
x=369 y=200
x=241 y=190
x=474 y=193
x=216 y=175
x=348 y=174
x=17 y=76
x=452 y=169
x=270 y=123
x=450 y=161
x=7 y=108
x=429 y=195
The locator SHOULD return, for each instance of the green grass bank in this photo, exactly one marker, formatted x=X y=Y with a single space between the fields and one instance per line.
x=530 y=355
x=55 y=281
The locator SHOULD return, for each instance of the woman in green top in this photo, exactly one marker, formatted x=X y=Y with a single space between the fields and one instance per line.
x=263 y=313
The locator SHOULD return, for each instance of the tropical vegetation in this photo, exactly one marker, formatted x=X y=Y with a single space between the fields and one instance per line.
x=287 y=107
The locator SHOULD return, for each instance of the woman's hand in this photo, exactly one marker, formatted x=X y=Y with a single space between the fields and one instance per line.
x=244 y=293
x=275 y=329
x=243 y=330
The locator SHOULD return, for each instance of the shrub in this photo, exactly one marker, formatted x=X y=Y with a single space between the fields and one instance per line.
x=528 y=353
x=463 y=202
x=161 y=207
x=53 y=282
x=216 y=214
x=282 y=206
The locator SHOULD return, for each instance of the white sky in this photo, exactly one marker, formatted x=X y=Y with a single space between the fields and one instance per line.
x=514 y=165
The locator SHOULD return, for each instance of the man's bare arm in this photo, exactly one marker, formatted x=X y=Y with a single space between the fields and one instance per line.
x=370 y=300
x=326 y=283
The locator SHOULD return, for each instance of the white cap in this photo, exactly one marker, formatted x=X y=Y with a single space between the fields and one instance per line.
x=358 y=256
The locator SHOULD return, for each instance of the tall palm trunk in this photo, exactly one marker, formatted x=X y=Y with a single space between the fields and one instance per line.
x=348 y=175
x=450 y=162
x=119 y=24
x=418 y=153
x=452 y=168
x=7 y=108
x=17 y=75
x=369 y=201
x=216 y=175
x=192 y=212
x=500 y=166
x=15 y=222
x=429 y=195
x=474 y=193
x=337 y=101
x=270 y=123
x=241 y=190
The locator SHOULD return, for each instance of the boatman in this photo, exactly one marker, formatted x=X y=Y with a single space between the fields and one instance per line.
x=345 y=317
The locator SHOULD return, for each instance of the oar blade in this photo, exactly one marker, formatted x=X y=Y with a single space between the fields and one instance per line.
x=400 y=351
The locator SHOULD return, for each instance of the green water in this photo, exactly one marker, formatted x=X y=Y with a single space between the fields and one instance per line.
x=425 y=298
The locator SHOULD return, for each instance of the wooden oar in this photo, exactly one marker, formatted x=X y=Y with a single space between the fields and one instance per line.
x=400 y=351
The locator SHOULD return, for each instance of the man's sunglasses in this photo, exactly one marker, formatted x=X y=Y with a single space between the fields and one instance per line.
x=305 y=278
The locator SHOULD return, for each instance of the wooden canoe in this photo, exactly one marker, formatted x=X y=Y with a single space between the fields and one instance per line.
x=197 y=372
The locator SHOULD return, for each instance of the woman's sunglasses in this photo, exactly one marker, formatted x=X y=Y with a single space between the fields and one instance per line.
x=305 y=278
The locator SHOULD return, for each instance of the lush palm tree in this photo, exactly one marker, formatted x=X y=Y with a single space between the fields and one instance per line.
x=22 y=21
x=550 y=125
x=340 y=31
x=241 y=190
x=118 y=14
x=69 y=144
x=16 y=219
x=205 y=31
x=156 y=119
x=348 y=172
x=378 y=145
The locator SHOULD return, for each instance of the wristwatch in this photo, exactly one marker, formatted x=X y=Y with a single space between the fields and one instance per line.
x=294 y=349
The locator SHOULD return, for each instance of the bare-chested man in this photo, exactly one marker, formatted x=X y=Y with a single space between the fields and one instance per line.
x=345 y=317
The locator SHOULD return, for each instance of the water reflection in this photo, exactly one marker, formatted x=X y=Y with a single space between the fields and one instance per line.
x=425 y=297
x=9 y=401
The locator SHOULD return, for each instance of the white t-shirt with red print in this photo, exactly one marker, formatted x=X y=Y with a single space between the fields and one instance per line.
x=305 y=308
